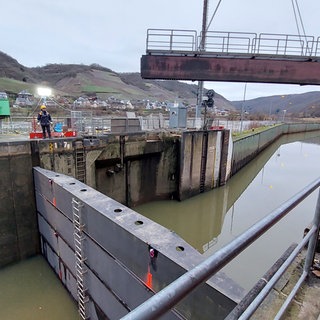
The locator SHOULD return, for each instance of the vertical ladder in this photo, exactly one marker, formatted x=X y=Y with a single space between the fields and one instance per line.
x=203 y=166
x=79 y=257
x=80 y=162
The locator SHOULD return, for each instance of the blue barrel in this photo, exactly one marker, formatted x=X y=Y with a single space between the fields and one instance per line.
x=58 y=127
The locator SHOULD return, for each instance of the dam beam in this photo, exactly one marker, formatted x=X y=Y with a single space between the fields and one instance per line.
x=111 y=259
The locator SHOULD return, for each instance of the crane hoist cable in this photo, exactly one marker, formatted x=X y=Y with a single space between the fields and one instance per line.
x=205 y=26
x=213 y=15
x=296 y=11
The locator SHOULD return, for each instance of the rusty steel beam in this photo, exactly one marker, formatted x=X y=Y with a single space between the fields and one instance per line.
x=235 y=69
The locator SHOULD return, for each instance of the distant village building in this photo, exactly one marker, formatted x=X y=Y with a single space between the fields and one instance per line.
x=81 y=102
x=156 y=105
x=129 y=105
x=24 y=99
x=3 y=96
x=149 y=105
x=221 y=113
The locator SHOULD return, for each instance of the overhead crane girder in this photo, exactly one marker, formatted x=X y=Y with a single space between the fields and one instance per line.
x=231 y=69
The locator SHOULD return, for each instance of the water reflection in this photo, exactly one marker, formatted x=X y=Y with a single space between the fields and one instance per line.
x=212 y=219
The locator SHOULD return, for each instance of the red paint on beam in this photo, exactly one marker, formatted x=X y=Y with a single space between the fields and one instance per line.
x=236 y=69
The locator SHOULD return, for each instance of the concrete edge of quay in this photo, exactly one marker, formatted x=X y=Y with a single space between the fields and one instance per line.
x=306 y=303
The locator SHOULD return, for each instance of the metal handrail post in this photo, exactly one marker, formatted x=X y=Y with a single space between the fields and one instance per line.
x=265 y=291
x=308 y=262
x=314 y=239
x=171 y=40
x=291 y=296
x=147 y=41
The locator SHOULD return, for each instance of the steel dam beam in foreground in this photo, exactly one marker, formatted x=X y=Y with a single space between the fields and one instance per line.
x=101 y=251
x=230 y=69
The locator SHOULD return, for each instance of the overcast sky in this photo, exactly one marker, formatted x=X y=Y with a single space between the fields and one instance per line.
x=113 y=33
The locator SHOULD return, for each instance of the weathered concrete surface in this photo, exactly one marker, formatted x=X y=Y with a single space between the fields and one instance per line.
x=137 y=168
x=140 y=167
x=203 y=161
x=191 y=150
x=19 y=237
x=247 y=148
x=305 y=305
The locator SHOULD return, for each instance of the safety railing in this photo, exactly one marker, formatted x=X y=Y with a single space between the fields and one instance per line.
x=168 y=297
x=316 y=47
x=229 y=42
x=224 y=42
x=172 y=40
x=283 y=44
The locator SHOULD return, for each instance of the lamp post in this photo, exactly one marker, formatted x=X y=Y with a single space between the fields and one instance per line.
x=284 y=114
x=242 y=107
x=270 y=107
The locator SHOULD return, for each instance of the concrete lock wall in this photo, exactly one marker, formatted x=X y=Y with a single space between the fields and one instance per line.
x=121 y=274
x=19 y=237
x=204 y=161
x=245 y=149
x=121 y=166
x=138 y=168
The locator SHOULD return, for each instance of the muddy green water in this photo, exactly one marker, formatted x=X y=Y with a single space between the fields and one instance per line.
x=30 y=290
